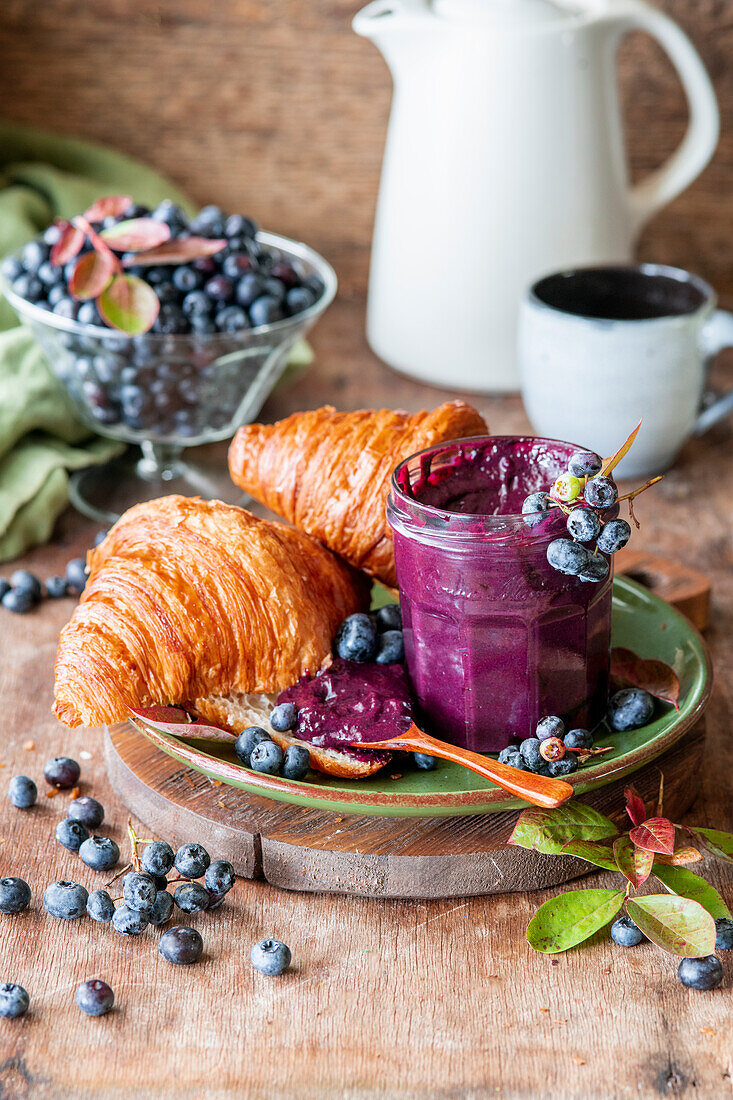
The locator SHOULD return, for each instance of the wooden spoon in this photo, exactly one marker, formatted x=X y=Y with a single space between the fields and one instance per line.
x=537 y=789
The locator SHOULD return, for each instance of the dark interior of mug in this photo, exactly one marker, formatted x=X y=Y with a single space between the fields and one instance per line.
x=623 y=293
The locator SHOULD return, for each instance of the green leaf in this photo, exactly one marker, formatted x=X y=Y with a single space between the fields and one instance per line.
x=599 y=854
x=678 y=880
x=129 y=304
x=676 y=924
x=134 y=234
x=548 y=831
x=568 y=919
x=634 y=863
x=91 y=275
x=715 y=842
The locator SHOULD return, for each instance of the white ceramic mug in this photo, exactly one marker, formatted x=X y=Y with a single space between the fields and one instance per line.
x=601 y=348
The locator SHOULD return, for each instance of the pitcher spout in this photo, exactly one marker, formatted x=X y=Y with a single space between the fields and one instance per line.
x=382 y=19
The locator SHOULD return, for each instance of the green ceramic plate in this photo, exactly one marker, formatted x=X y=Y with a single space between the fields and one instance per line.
x=641 y=622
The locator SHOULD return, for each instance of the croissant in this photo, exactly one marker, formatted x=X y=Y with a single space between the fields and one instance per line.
x=329 y=472
x=187 y=598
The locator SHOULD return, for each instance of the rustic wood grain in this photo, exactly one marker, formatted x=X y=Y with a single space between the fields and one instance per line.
x=276 y=107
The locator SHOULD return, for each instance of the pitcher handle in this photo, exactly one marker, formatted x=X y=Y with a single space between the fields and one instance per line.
x=699 y=143
x=366 y=22
x=717 y=335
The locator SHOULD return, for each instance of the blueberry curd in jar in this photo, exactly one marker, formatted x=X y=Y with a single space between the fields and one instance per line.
x=494 y=637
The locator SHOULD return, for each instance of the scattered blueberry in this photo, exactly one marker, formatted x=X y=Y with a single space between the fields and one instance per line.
x=625 y=933
x=597 y=569
x=94 y=997
x=284 y=717
x=615 y=534
x=157 y=857
x=247 y=740
x=704 y=973
x=14 y=1001
x=191 y=897
x=568 y=557
x=536 y=508
x=390 y=648
x=4 y=587
x=100 y=906
x=100 y=853
x=583 y=524
x=192 y=860
x=100 y=537
x=296 y=762
x=76 y=574
x=139 y=891
x=220 y=877
x=130 y=922
x=15 y=895
x=65 y=900
x=559 y=768
x=23 y=581
x=22 y=792
x=71 y=834
x=270 y=957
x=601 y=492
x=87 y=810
x=388 y=617
x=56 y=588
x=267 y=758
x=162 y=908
x=585 y=464
x=550 y=726
x=424 y=762
x=724 y=934
x=181 y=945
x=19 y=601
x=356 y=639
x=578 y=739
x=62 y=772
x=630 y=709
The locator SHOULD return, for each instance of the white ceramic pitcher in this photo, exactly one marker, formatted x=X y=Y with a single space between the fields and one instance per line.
x=504 y=160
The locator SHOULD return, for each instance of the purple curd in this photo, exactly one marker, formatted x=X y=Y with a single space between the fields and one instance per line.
x=494 y=637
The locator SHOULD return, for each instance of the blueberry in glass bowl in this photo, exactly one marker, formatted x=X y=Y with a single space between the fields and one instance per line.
x=225 y=327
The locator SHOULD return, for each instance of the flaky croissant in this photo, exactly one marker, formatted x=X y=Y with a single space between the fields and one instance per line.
x=188 y=598
x=329 y=472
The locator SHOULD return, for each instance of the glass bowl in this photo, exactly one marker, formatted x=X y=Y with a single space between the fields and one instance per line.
x=167 y=393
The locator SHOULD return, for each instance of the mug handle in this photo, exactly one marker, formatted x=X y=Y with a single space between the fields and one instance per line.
x=717 y=335
x=700 y=141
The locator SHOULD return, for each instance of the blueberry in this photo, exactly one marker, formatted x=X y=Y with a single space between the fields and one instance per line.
x=186 y=278
x=76 y=574
x=284 y=717
x=181 y=945
x=88 y=314
x=168 y=293
x=234 y=267
x=625 y=933
x=94 y=997
x=4 y=587
x=162 y=908
x=50 y=274
x=536 y=508
x=34 y=254
x=296 y=762
x=298 y=299
x=220 y=877
x=71 y=834
x=601 y=492
x=630 y=708
x=390 y=648
x=705 y=973
x=28 y=287
x=266 y=311
x=67 y=308
x=356 y=639
x=596 y=570
x=23 y=581
x=11 y=268
x=192 y=860
x=191 y=897
x=19 y=601
x=270 y=957
x=62 y=772
x=100 y=537
x=219 y=288
x=100 y=853
x=157 y=858
x=231 y=320
x=246 y=741
x=530 y=752
x=22 y=792
x=389 y=617
x=205 y=265
x=87 y=810
x=552 y=749
x=161 y=882
x=15 y=895
x=56 y=293
x=100 y=906
x=209 y=222
x=314 y=283
x=237 y=225
x=202 y=324
x=274 y=288
x=578 y=739
x=171 y=321
x=424 y=762
x=724 y=934
x=585 y=464
x=167 y=211
x=65 y=900
x=250 y=287
x=267 y=758
x=56 y=588
x=196 y=304
x=550 y=726
x=583 y=524
x=558 y=768
x=615 y=534
x=567 y=557
x=14 y=1001
x=130 y=922
x=513 y=757
x=139 y=891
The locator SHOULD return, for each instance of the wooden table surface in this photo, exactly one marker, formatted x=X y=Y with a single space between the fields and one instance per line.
x=385 y=998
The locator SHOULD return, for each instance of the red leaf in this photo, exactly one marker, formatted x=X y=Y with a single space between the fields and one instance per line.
x=112 y=206
x=611 y=463
x=178 y=251
x=129 y=304
x=92 y=273
x=634 y=863
x=635 y=806
x=136 y=234
x=68 y=245
x=653 y=676
x=176 y=722
x=655 y=835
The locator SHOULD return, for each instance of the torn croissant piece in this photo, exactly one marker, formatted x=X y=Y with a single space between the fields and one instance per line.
x=329 y=472
x=187 y=599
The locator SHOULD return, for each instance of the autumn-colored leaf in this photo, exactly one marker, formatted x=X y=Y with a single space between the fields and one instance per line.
x=611 y=463
x=630 y=670
x=656 y=834
x=136 y=234
x=68 y=245
x=174 y=721
x=178 y=251
x=634 y=863
x=680 y=856
x=716 y=842
x=598 y=854
x=111 y=206
x=676 y=924
x=689 y=885
x=635 y=806
x=91 y=275
x=129 y=304
x=568 y=919
x=548 y=831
